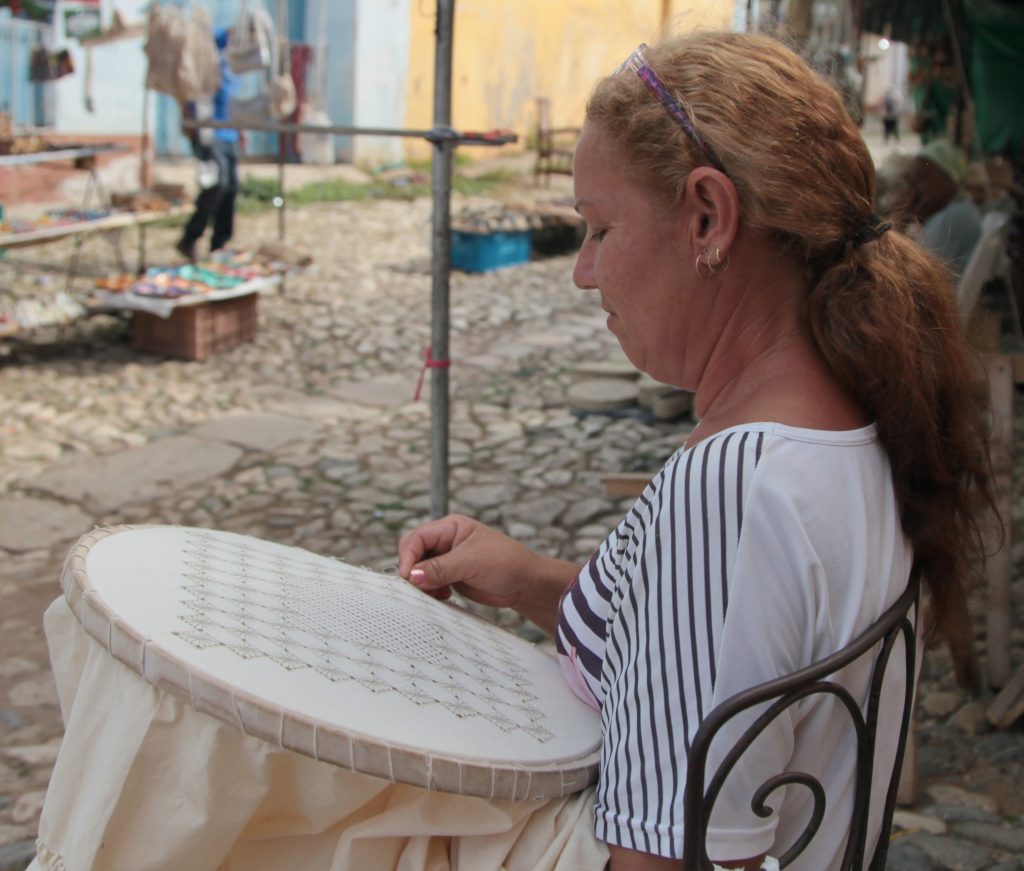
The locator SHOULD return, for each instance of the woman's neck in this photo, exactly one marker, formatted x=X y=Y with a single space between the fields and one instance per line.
x=765 y=366
x=789 y=385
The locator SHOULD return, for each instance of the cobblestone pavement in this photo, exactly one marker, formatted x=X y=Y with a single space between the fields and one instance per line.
x=308 y=436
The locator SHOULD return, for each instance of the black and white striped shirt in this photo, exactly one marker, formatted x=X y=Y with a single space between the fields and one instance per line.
x=758 y=551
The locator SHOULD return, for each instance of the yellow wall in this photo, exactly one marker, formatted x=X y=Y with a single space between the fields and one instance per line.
x=508 y=52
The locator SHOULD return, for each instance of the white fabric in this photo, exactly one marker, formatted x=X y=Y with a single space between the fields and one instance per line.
x=760 y=551
x=144 y=782
x=273 y=639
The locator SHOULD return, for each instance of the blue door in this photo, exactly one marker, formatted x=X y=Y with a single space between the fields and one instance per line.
x=27 y=102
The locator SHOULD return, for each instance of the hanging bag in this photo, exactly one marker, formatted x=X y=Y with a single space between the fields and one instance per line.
x=251 y=45
x=281 y=96
x=245 y=111
x=165 y=36
x=199 y=67
x=281 y=88
x=276 y=98
x=183 y=59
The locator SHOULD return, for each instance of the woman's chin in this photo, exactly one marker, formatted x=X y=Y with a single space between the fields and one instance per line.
x=630 y=352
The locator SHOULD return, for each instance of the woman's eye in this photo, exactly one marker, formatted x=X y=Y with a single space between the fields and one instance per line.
x=598 y=235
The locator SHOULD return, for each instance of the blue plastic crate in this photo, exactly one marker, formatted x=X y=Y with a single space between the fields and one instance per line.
x=482 y=252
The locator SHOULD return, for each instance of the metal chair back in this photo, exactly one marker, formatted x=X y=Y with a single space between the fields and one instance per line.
x=878 y=642
x=555 y=145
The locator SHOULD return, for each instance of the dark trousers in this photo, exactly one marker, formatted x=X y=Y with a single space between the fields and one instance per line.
x=215 y=204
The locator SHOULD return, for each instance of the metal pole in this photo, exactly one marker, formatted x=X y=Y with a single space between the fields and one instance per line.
x=280 y=203
x=144 y=172
x=441 y=179
x=284 y=67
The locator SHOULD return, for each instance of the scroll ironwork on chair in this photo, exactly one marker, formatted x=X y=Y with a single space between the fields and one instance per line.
x=878 y=642
x=555 y=145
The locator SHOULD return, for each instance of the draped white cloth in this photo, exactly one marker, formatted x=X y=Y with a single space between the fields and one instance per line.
x=145 y=782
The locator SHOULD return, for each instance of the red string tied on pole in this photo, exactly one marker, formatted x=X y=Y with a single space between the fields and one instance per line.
x=428 y=363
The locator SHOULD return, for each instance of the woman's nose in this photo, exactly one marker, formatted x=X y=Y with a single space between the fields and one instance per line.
x=583 y=271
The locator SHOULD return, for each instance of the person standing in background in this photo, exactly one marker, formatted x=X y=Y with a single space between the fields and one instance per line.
x=891 y=106
x=217 y=151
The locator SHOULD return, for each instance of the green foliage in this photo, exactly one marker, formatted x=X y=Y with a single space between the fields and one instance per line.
x=256 y=194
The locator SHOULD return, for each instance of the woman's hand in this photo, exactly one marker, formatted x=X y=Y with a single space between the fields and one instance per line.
x=485 y=567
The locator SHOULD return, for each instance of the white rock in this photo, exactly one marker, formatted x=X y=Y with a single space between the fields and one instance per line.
x=28 y=806
x=16 y=665
x=911 y=822
x=38 y=691
x=605 y=394
x=942 y=793
x=34 y=754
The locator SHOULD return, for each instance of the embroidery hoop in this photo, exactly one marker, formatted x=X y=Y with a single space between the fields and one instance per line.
x=193 y=612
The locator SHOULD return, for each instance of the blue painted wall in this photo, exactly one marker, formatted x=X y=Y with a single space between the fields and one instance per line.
x=25 y=101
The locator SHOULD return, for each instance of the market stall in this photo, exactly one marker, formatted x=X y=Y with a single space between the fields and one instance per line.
x=96 y=213
x=194 y=310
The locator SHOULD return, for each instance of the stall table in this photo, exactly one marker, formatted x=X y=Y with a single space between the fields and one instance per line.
x=84 y=158
x=194 y=326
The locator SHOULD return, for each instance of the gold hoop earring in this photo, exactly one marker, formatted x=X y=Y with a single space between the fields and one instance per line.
x=711 y=259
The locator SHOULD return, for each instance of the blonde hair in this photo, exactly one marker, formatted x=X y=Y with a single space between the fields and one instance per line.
x=882 y=312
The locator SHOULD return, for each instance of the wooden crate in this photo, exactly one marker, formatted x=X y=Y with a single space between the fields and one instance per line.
x=194 y=332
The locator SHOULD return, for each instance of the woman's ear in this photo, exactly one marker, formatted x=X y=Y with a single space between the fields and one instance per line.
x=710 y=209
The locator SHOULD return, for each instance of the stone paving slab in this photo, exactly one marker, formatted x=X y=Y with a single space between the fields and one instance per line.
x=322 y=408
x=386 y=391
x=29 y=524
x=169 y=465
x=259 y=432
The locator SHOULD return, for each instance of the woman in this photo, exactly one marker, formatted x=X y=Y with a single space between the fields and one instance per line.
x=731 y=240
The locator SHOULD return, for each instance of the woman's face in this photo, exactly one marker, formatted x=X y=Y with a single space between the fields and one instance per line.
x=634 y=255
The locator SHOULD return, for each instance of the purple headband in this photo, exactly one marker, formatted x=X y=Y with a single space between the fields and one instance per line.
x=637 y=62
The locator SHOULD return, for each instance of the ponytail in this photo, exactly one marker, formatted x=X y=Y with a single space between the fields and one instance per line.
x=885 y=318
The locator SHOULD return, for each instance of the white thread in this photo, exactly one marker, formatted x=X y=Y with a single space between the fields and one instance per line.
x=328 y=618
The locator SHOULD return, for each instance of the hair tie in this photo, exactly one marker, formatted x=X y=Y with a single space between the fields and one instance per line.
x=873 y=228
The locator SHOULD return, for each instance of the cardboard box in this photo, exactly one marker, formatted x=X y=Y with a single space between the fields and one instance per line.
x=194 y=332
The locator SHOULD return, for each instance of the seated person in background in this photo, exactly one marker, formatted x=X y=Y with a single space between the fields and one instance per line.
x=934 y=197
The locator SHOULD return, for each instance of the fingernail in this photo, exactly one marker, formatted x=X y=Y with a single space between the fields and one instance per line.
x=418 y=577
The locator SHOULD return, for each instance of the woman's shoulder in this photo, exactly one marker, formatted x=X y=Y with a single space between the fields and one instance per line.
x=777 y=457
x=779 y=434
x=774 y=455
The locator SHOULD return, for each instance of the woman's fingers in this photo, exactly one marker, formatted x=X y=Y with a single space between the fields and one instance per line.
x=455 y=551
x=432 y=537
x=437 y=573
